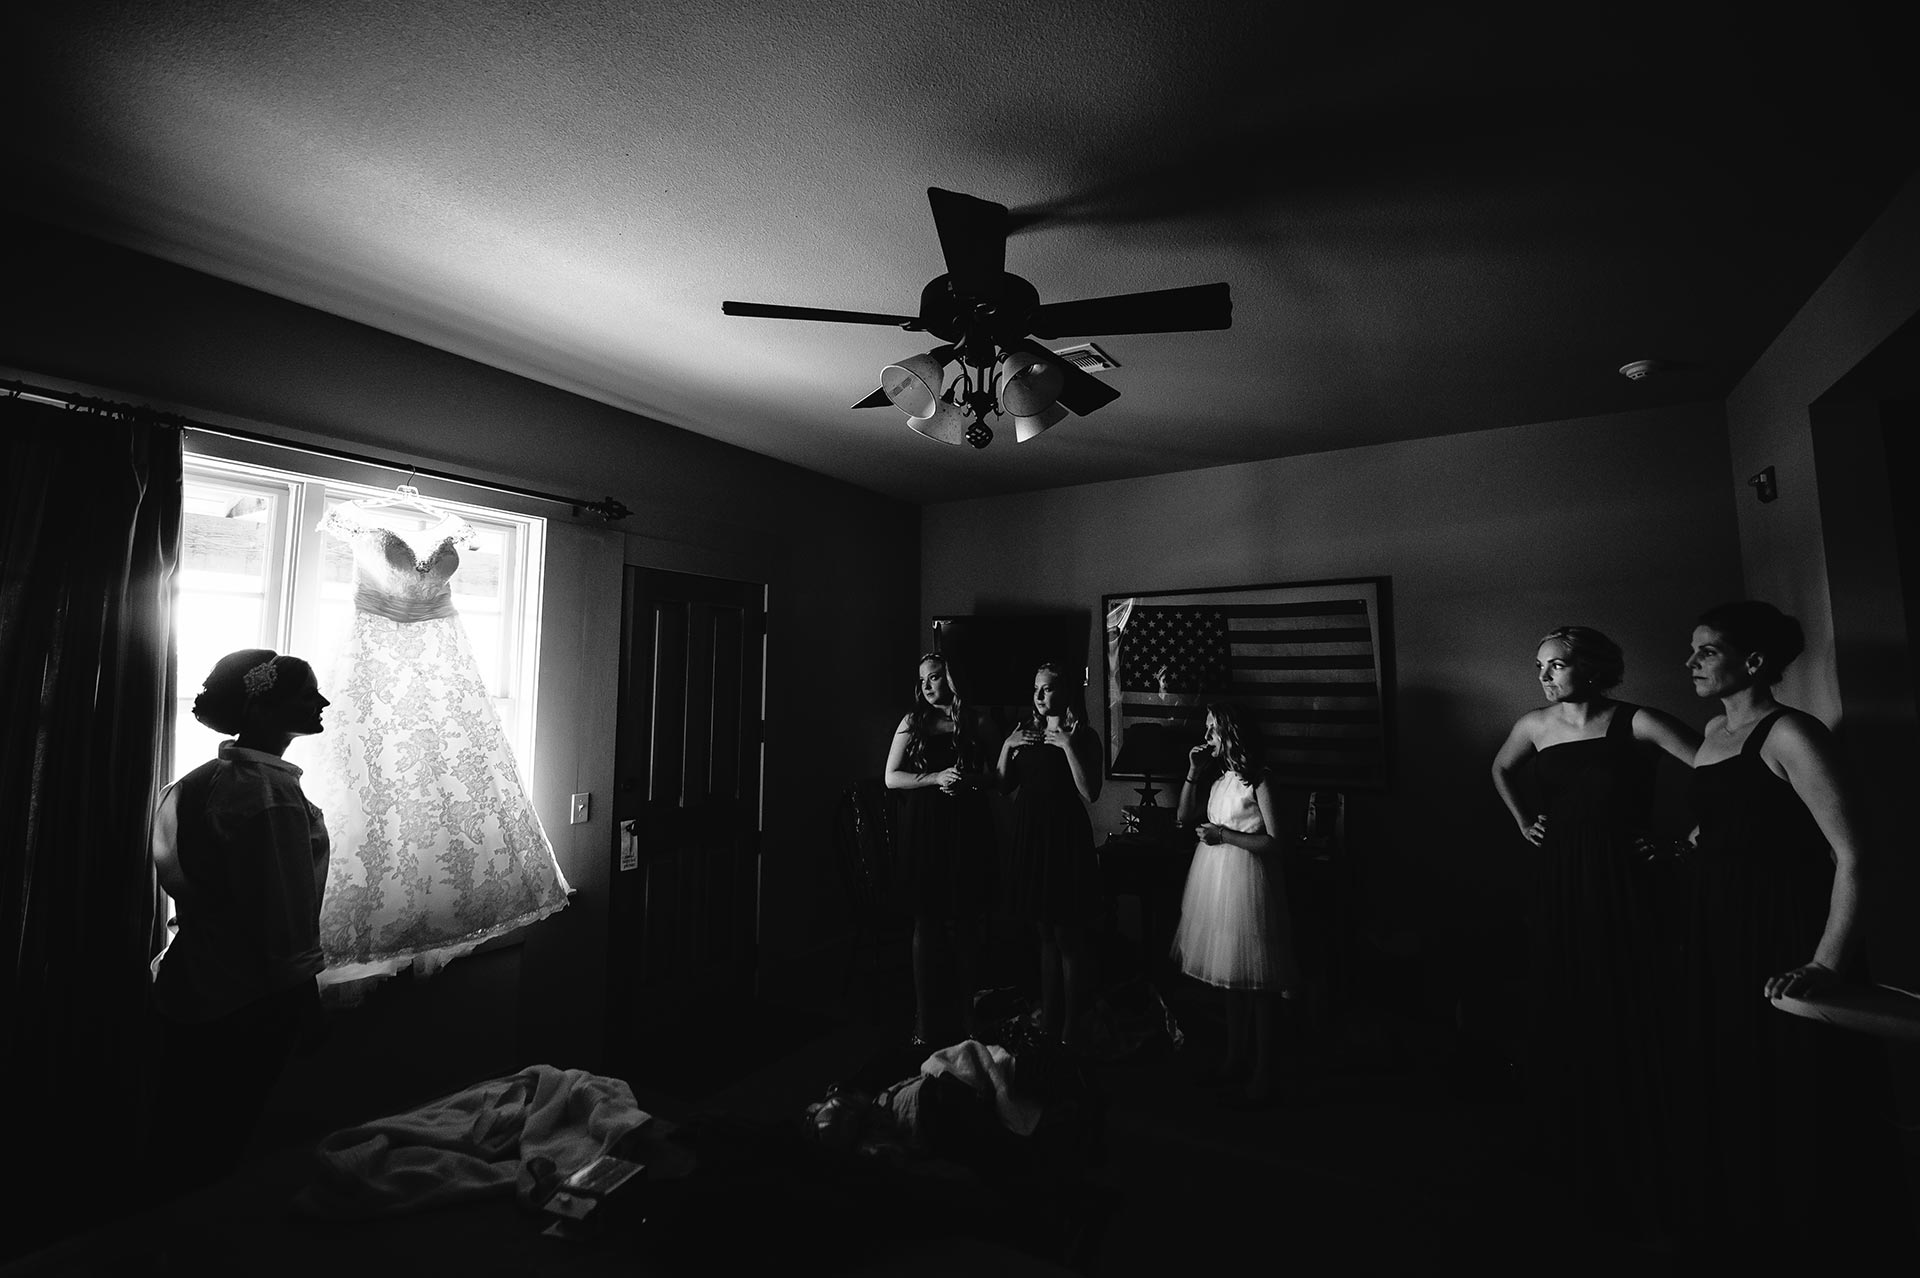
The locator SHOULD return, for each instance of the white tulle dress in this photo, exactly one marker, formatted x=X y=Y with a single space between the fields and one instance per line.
x=1233 y=928
x=435 y=845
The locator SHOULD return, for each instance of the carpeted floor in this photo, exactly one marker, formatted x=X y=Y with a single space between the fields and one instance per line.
x=1391 y=1152
x=1395 y=1150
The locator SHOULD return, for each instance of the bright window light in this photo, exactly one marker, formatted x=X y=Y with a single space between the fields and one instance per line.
x=256 y=573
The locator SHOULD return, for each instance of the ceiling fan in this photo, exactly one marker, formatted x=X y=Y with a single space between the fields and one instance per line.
x=988 y=321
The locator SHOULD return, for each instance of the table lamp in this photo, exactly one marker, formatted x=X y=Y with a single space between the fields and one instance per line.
x=1148 y=750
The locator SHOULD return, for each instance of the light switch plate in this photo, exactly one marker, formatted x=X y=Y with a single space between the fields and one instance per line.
x=580 y=805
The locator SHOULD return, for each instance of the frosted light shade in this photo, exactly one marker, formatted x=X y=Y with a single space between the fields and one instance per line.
x=1031 y=426
x=947 y=423
x=914 y=384
x=1029 y=383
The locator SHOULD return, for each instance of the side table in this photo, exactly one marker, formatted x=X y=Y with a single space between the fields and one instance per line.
x=1151 y=868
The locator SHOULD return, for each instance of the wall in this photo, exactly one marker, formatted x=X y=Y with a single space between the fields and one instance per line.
x=1871 y=293
x=841 y=564
x=1490 y=539
x=1815 y=406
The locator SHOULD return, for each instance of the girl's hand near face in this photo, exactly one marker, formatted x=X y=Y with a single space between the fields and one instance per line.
x=1199 y=759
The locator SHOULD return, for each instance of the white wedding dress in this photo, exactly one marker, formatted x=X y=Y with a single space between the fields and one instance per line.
x=436 y=847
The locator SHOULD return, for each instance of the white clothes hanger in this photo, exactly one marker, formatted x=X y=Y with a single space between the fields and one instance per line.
x=406 y=497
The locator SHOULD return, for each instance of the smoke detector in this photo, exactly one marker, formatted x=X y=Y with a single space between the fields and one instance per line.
x=1640 y=369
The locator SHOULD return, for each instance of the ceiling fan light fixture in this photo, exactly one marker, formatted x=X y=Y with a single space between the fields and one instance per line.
x=1032 y=426
x=995 y=323
x=1029 y=384
x=947 y=423
x=913 y=384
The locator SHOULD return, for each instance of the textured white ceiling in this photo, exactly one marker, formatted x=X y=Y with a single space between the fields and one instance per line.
x=1430 y=224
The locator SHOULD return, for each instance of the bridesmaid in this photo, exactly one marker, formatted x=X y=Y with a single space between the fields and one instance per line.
x=1051 y=763
x=1792 y=1147
x=945 y=858
x=1578 y=776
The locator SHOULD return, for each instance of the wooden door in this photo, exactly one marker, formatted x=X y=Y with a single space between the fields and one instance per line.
x=685 y=899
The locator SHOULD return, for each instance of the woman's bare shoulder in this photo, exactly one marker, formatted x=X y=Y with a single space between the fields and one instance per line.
x=1532 y=725
x=1798 y=730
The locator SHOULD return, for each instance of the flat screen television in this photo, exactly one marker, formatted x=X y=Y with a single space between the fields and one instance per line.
x=993 y=657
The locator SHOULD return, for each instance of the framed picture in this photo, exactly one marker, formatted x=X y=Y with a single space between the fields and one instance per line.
x=1309 y=663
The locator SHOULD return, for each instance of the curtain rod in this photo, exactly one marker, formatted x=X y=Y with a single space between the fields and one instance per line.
x=606 y=508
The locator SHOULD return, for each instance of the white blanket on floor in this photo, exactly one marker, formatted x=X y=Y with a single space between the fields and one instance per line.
x=471 y=1144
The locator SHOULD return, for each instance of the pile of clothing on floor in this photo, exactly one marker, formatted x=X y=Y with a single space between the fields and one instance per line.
x=480 y=1142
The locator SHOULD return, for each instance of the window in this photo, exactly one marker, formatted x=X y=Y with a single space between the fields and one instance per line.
x=257 y=573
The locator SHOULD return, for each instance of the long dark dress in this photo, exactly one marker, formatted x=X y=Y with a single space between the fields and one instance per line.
x=1603 y=962
x=1053 y=874
x=945 y=857
x=1791 y=1148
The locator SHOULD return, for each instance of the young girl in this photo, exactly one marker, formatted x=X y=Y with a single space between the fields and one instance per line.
x=944 y=871
x=1234 y=931
x=1051 y=761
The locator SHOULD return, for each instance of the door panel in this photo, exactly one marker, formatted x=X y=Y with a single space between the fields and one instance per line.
x=685 y=898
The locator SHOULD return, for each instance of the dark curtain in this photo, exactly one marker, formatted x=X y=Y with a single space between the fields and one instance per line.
x=90 y=512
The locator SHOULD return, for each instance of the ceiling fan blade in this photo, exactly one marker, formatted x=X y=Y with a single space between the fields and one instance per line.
x=1167 y=310
x=973 y=239
x=876 y=400
x=1081 y=392
x=765 y=310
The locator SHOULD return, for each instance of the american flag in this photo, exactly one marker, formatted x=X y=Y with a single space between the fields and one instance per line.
x=1301 y=662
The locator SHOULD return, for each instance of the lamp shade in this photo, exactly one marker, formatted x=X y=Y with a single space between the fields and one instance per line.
x=1030 y=382
x=946 y=423
x=1149 y=749
x=914 y=384
x=1025 y=428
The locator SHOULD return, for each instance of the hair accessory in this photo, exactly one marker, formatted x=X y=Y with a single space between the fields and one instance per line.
x=260 y=678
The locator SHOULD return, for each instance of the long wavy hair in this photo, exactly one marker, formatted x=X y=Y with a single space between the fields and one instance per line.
x=923 y=714
x=1246 y=752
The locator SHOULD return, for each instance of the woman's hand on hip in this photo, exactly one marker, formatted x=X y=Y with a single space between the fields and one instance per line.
x=1799 y=982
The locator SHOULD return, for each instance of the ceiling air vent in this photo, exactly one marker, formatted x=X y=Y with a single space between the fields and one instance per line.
x=1089 y=357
